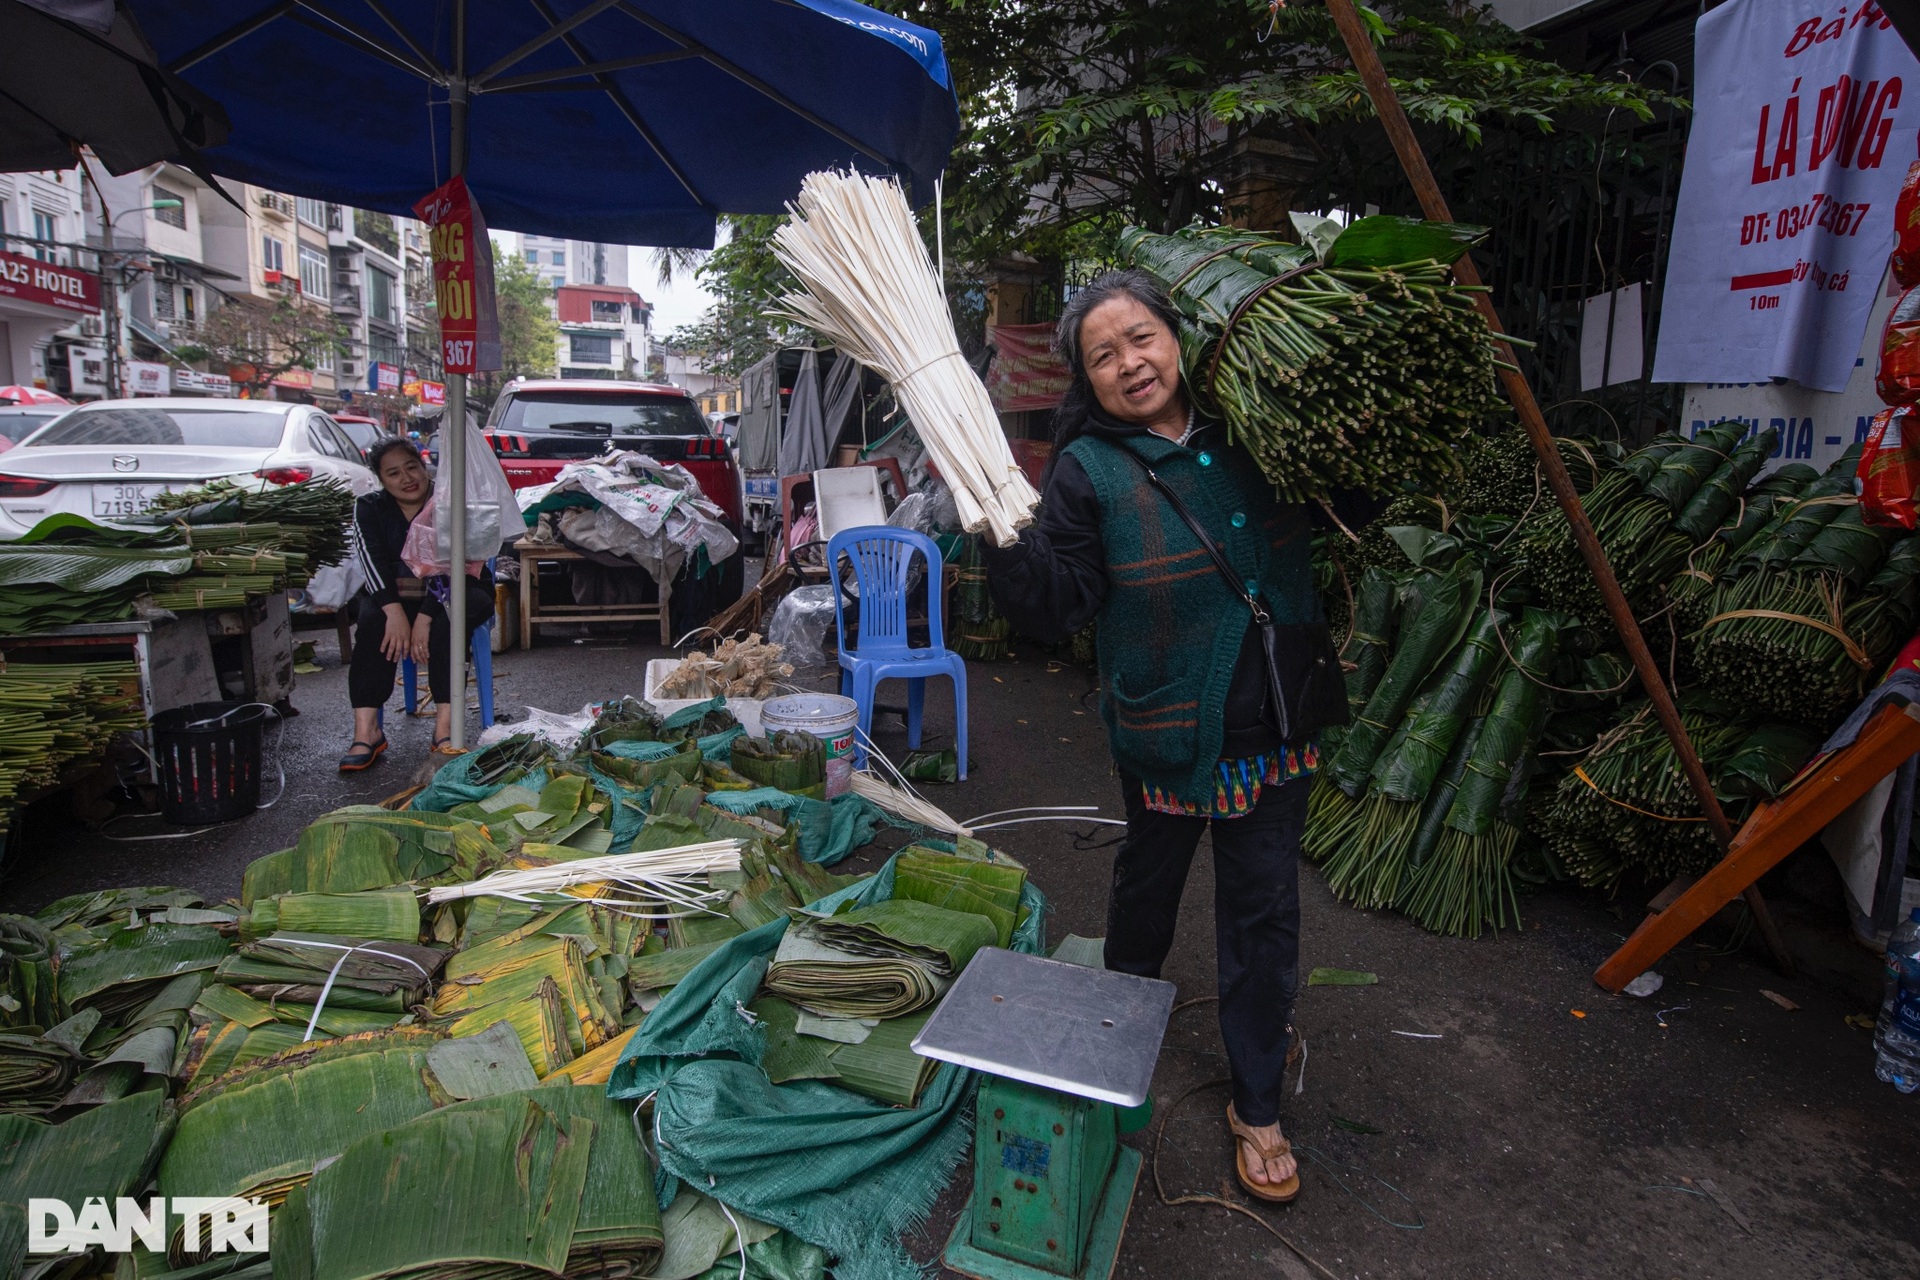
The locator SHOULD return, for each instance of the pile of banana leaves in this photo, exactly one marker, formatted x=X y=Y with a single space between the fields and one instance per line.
x=1347 y=362
x=303 y=526
x=206 y=548
x=348 y=1053
x=1498 y=736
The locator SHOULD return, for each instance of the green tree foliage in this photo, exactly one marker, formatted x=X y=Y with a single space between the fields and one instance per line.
x=270 y=338
x=1084 y=115
x=747 y=283
x=1079 y=117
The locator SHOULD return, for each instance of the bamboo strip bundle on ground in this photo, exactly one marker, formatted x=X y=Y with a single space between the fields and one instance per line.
x=871 y=290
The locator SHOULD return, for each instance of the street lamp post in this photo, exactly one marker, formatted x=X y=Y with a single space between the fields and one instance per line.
x=110 y=287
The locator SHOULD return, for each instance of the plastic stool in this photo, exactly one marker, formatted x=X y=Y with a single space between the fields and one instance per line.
x=482 y=648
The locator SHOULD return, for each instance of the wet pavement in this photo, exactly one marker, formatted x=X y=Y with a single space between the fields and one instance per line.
x=1484 y=1111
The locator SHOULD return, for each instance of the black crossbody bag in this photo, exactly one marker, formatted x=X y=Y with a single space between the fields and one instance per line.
x=1304 y=681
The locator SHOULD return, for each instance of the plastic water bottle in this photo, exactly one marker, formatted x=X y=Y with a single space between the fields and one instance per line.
x=1896 y=1036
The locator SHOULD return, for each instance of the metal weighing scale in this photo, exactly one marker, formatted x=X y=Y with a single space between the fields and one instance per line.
x=1062 y=1048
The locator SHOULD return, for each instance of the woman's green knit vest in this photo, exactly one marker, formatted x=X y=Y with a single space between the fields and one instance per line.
x=1170 y=630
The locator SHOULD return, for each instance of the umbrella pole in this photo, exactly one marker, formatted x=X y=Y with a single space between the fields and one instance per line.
x=453 y=437
x=1386 y=105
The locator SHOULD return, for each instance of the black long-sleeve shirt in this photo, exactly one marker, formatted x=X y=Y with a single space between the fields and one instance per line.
x=379 y=536
x=1053 y=582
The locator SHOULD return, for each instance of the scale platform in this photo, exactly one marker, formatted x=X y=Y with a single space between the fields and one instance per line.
x=1060 y=1047
x=1092 y=1033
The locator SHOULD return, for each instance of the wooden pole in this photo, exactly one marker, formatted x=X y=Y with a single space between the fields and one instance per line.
x=1386 y=105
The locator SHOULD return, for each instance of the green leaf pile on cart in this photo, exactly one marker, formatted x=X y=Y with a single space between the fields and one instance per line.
x=399 y=1037
x=204 y=548
x=1499 y=737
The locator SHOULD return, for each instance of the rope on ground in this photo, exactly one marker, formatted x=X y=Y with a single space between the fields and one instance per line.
x=1196 y=1197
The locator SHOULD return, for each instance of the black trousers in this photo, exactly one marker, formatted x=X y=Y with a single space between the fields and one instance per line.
x=1256 y=911
x=370 y=672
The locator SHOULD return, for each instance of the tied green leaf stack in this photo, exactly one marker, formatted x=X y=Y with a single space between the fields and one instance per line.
x=1344 y=373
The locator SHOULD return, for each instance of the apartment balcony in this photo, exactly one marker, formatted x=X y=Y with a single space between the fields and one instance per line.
x=275 y=203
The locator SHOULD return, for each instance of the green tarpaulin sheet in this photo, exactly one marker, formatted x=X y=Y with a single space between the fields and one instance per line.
x=834 y=1168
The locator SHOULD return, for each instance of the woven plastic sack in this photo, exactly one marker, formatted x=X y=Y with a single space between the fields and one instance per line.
x=836 y=1169
x=457 y=782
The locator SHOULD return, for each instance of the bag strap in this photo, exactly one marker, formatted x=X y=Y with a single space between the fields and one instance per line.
x=1220 y=561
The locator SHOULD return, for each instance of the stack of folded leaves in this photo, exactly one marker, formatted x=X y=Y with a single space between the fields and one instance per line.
x=990 y=889
x=261 y=1131
x=313 y=969
x=552 y=1181
x=538 y=983
x=880 y=961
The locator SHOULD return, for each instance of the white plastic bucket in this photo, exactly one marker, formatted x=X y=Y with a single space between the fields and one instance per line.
x=828 y=717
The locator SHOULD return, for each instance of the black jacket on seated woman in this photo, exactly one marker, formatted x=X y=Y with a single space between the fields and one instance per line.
x=401 y=615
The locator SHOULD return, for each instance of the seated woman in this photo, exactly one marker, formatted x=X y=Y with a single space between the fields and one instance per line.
x=402 y=615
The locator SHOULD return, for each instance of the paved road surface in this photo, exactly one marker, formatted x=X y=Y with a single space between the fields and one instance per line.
x=1522 y=1142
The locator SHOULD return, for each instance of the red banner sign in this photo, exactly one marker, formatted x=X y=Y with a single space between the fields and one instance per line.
x=49 y=284
x=462 y=279
x=1025 y=373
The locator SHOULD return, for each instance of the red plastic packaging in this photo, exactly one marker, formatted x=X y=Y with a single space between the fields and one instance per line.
x=1898 y=378
x=1906 y=230
x=1889 y=471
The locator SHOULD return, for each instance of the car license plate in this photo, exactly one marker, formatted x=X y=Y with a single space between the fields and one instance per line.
x=124 y=499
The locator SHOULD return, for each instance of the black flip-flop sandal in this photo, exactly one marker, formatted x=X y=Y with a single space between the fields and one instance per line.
x=445 y=747
x=354 y=761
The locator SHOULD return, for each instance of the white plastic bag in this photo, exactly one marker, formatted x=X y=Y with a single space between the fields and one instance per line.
x=493 y=514
x=801 y=623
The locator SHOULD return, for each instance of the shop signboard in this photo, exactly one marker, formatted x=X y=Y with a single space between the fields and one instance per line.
x=462 y=279
x=382 y=376
x=1804 y=118
x=87 y=371
x=421 y=391
x=195 y=382
x=145 y=378
x=295 y=380
x=1815 y=427
x=48 y=284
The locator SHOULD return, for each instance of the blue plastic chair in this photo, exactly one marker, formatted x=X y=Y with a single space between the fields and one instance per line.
x=882 y=565
x=482 y=649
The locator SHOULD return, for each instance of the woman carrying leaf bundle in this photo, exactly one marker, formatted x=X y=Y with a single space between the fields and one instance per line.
x=1218 y=671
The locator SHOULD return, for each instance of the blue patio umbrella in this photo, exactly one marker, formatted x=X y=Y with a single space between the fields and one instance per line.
x=625 y=121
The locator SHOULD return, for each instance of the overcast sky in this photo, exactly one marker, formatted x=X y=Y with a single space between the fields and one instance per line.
x=682 y=304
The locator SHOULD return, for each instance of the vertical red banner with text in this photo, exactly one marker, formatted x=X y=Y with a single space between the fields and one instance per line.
x=462 y=279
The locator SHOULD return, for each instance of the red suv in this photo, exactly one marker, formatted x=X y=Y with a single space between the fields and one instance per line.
x=538 y=426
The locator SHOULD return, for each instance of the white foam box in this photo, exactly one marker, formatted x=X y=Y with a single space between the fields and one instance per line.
x=745 y=710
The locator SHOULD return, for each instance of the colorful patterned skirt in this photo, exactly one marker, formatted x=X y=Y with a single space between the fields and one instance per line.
x=1237 y=783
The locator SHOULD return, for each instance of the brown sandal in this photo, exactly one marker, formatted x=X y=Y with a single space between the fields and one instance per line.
x=1272 y=1193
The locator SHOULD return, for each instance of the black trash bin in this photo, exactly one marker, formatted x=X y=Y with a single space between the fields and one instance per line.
x=208 y=755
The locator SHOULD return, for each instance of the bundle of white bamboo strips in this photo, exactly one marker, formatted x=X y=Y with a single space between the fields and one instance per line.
x=872 y=291
x=675 y=877
x=902 y=803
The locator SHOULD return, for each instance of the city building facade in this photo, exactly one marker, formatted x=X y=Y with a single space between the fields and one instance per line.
x=604 y=331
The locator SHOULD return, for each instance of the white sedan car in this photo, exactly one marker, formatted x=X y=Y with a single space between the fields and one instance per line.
x=110 y=459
